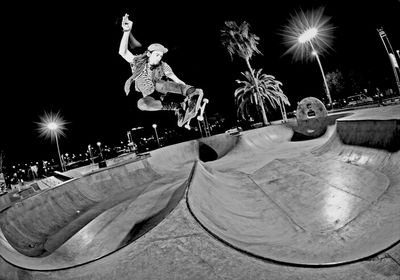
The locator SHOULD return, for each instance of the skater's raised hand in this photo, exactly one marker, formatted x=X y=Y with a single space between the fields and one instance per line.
x=126 y=23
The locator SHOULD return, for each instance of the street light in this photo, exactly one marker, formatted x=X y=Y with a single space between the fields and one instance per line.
x=101 y=153
x=90 y=153
x=54 y=128
x=306 y=37
x=309 y=30
x=155 y=129
x=51 y=126
x=102 y=162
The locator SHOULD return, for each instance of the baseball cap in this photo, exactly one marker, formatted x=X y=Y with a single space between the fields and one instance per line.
x=157 y=47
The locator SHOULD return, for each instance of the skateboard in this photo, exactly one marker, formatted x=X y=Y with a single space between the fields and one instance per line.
x=200 y=117
x=202 y=120
x=192 y=108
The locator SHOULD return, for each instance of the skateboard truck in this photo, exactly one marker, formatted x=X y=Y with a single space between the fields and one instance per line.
x=200 y=118
x=187 y=125
x=202 y=108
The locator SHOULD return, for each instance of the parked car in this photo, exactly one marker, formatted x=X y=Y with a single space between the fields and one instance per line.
x=234 y=131
x=358 y=99
x=291 y=114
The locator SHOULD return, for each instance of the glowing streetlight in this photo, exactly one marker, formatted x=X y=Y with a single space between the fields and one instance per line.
x=50 y=126
x=90 y=153
x=306 y=37
x=155 y=129
x=102 y=163
x=101 y=152
x=309 y=31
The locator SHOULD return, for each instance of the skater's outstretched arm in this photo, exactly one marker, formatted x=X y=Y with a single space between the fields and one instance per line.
x=123 y=46
x=176 y=79
x=171 y=75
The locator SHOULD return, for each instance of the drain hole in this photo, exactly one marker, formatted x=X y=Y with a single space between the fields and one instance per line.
x=206 y=153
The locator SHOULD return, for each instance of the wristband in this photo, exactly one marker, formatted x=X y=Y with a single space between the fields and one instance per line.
x=126 y=30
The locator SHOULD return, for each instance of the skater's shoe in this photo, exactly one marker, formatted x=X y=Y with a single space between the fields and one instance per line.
x=190 y=91
x=184 y=105
x=193 y=105
x=173 y=106
x=194 y=102
x=180 y=115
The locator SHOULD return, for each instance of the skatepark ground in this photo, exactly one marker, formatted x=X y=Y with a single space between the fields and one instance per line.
x=252 y=206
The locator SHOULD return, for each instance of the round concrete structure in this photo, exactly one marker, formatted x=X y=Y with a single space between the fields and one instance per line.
x=311 y=117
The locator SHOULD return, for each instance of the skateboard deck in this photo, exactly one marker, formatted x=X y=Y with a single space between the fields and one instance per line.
x=202 y=120
x=200 y=116
x=192 y=108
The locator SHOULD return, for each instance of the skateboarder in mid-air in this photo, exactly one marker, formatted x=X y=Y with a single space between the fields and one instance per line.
x=160 y=87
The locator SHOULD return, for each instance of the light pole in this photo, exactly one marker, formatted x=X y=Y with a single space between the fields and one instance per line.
x=102 y=162
x=306 y=37
x=52 y=125
x=130 y=141
x=100 y=151
x=155 y=129
x=392 y=57
x=90 y=153
x=54 y=129
x=305 y=30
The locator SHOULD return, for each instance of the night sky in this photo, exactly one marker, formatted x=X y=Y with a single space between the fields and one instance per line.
x=64 y=57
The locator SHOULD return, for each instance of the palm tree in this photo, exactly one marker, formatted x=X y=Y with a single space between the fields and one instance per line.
x=239 y=40
x=266 y=87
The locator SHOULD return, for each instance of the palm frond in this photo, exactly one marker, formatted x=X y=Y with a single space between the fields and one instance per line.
x=239 y=40
x=264 y=86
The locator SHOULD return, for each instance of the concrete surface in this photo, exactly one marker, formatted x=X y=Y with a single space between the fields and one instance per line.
x=257 y=206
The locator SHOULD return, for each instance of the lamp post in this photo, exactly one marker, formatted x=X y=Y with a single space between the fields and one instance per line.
x=309 y=30
x=392 y=57
x=54 y=129
x=90 y=153
x=100 y=151
x=52 y=125
x=130 y=141
x=155 y=129
x=102 y=162
x=306 y=37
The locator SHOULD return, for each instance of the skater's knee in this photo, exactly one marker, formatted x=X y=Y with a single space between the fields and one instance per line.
x=149 y=104
x=189 y=90
x=141 y=104
x=199 y=91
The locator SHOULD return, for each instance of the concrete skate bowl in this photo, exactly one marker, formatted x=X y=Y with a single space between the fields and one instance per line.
x=323 y=202
x=90 y=217
x=314 y=202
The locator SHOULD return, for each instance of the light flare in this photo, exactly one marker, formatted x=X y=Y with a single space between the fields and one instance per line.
x=308 y=35
x=51 y=125
x=307 y=31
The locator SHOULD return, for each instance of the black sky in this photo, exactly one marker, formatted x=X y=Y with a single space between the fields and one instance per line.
x=64 y=57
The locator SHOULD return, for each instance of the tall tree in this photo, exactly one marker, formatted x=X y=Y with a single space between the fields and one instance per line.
x=240 y=41
x=266 y=86
x=336 y=83
x=2 y=180
x=1 y=160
